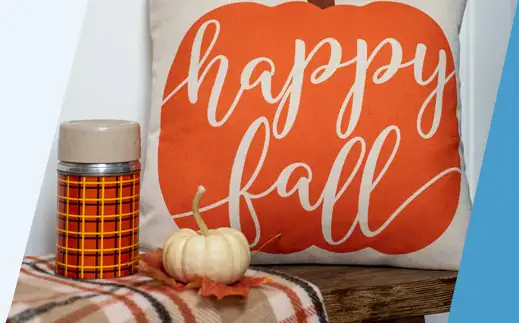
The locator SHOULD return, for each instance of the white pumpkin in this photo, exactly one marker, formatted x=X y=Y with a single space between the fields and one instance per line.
x=222 y=255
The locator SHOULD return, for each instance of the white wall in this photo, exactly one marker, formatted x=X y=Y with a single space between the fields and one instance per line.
x=485 y=37
x=36 y=56
x=110 y=79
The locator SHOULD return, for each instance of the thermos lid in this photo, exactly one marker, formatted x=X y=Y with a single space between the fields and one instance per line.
x=99 y=141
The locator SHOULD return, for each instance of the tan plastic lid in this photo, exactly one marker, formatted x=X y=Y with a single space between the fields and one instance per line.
x=99 y=141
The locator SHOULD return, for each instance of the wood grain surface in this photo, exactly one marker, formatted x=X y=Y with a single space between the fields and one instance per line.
x=371 y=294
x=418 y=319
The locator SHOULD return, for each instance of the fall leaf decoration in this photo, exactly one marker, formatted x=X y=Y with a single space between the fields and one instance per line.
x=150 y=264
x=183 y=262
x=240 y=288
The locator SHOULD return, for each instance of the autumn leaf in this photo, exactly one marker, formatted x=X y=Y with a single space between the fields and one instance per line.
x=153 y=259
x=150 y=264
x=240 y=288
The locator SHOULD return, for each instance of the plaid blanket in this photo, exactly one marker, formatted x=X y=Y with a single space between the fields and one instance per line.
x=41 y=296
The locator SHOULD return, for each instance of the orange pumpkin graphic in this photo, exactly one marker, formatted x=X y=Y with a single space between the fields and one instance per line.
x=254 y=110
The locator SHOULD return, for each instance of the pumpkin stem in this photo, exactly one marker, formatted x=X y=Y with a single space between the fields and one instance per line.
x=196 y=214
x=266 y=243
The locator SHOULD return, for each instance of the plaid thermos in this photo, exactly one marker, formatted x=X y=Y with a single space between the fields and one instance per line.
x=98 y=198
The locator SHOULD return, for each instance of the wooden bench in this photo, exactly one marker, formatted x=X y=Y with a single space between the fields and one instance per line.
x=377 y=294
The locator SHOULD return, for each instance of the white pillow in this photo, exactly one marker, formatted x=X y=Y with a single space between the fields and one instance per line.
x=337 y=128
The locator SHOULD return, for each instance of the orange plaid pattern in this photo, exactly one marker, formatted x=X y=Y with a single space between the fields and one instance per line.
x=42 y=296
x=98 y=226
